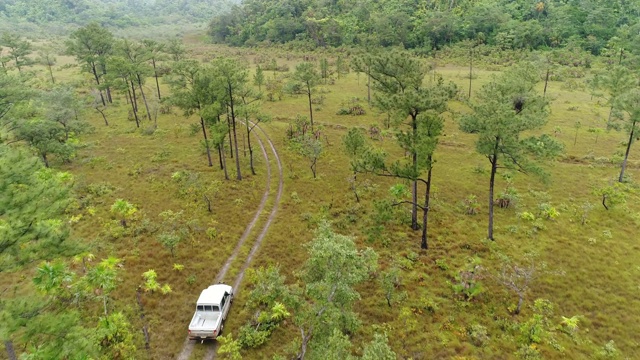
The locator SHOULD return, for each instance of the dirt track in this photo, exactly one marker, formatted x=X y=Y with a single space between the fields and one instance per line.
x=188 y=346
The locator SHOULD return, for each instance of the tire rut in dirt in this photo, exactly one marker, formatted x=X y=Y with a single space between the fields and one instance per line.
x=211 y=352
x=187 y=347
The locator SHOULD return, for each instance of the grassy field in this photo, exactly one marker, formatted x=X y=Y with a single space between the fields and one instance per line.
x=590 y=270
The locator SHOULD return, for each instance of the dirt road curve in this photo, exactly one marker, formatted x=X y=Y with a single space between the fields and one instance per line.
x=188 y=346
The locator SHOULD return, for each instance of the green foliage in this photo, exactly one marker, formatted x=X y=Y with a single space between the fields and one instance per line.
x=229 y=348
x=19 y=50
x=478 y=334
x=608 y=351
x=470 y=205
x=114 y=13
x=307 y=75
x=115 y=337
x=546 y=211
x=250 y=337
x=124 y=210
x=58 y=335
x=174 y=229
x=612 y=195
x=390 y=281
x=32 y=203
x=570 y=325
x=258 y=78
x=354 y=142
x=191 y=279
x=468 y=280
x=378 y=349
x=53 y=279
x=103 y=279
x=267 y=298
x=151 y=283
x=442 y=264
x=507 y=107
x=178 y=267
x=332 y=270
x=434 y=25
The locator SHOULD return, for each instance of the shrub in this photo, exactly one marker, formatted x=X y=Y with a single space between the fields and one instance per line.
x=470 y=205
x=249 y=337
x=478 y=334
x=442 y=264
x=468 y=280
x=546 y=211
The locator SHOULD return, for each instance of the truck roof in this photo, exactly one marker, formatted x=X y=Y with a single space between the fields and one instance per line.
x=213 y=294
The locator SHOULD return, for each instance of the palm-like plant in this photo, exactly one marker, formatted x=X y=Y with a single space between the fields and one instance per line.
x=103 y=279
x=124 y=209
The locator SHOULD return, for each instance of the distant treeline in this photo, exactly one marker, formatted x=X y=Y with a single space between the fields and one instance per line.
x=595 y=25
x=116 y=13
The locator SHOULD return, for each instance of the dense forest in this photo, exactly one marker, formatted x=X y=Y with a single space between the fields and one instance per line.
x=376 y=179
x=116 y=13
x=595 y=25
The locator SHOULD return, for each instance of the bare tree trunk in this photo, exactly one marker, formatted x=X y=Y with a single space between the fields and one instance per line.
x=425 y=210
x=95 y=76
x=155 y=74
x=626 y=154
x=368 y=86
x=520 y=301
x=103 y=115
x=621 y=53
x=224 y=161
x=208 y=201
x=414 y=185
x=353 y=186
x=253 y=170
x=53 y=81
x=546 y=81
x=133 y=108
x=11 y=352
x=206 y=141
x=145 y=329
x=220 y=157
x=135 y=98
x=104 y=73
x=313 y=167
x=144 y=98
x=303 y=345
x=494 y=168
x=310 y=108
x=470 y=70
x=235 y=135
x=229 y=133
x=244 y=145
x=18 y=65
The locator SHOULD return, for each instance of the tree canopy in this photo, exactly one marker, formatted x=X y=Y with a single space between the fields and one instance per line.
x=434 y=24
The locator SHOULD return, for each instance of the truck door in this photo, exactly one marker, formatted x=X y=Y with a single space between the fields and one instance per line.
x=225 y=305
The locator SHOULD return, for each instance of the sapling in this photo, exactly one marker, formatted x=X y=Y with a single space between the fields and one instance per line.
x=124 y=209
x=390 y=281
x=518 y=277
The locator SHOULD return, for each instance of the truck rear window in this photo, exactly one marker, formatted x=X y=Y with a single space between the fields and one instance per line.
x=208 y=308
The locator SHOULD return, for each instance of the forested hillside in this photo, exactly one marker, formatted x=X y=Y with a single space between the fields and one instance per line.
x=596 y=25
x=117 y=13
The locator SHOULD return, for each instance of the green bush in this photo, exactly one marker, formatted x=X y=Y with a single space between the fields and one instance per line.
x=249 y=337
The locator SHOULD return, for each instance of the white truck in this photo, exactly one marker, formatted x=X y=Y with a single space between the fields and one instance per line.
x=211 y=311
